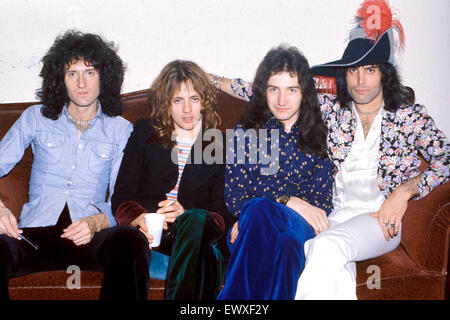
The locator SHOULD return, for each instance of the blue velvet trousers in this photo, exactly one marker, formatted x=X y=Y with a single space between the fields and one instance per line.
x=267 y=257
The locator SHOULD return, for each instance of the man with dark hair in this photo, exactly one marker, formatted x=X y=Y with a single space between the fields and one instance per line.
x=77 y=137
x=376 y=133
x=283 y=203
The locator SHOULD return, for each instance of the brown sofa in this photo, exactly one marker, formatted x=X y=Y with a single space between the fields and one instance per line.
x=417 y=269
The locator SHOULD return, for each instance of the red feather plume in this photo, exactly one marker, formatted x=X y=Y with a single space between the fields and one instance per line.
x=376 y=18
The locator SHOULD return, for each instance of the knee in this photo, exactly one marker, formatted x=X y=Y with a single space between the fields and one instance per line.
x=320 y=244
x=190 y=224
x=192 y=216
x=258 y=207
x=127 y=241
x=259 y=202
x=324 y=246
x=190 y=221
x=10 y=253
x=200 y=224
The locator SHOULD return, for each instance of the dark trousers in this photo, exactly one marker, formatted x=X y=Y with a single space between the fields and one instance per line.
x=196 y=267
x=121 y=253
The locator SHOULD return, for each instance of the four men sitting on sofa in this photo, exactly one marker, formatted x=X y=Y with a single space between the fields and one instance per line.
x=369 y=135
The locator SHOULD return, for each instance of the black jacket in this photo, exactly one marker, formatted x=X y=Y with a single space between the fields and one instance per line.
x=147 y=173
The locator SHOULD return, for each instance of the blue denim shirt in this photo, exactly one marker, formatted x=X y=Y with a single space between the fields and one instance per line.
x=65 y=169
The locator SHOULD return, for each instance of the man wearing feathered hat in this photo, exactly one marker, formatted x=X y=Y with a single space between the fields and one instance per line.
x=376 y=132
x=375 y=135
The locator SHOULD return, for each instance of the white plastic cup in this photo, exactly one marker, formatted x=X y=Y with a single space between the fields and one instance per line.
x=155 y=223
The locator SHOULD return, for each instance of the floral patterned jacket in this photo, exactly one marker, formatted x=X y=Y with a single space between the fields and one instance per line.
x=405 y=133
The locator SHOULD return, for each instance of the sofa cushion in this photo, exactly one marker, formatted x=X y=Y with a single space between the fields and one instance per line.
x=400 y=275
x=52 y=285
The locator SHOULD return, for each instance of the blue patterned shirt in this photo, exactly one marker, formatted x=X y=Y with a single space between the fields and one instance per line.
x=304 y=175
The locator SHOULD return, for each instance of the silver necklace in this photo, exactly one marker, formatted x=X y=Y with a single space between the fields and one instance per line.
x=82 y=125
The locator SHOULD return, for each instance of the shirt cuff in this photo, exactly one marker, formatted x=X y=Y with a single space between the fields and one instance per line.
x=105 y=207
x=128 y=211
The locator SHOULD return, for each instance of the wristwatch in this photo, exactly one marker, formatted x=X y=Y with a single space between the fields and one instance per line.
x=284 y=199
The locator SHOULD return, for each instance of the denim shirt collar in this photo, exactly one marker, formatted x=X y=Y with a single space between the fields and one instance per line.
x=98 y=116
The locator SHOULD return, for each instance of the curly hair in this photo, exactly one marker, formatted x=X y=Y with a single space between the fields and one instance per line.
x=166 y=84
x=313 y=132
x=394 y=93
x=73 y=46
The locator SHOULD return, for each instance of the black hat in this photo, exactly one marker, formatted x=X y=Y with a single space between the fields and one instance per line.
x=370 y=42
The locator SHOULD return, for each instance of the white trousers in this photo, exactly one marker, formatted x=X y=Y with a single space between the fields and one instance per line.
x=330 y=270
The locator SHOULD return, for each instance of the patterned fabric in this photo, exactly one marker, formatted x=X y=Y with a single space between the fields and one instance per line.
x=184 y=147
x=405 y=133
x=299 y=174
x=242 y=88
x=356 y=188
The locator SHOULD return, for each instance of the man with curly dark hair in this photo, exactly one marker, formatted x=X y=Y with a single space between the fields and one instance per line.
x=77 y=138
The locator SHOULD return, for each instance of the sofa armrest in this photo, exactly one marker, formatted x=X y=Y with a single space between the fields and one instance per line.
x=9 y=196
x=426 y=230
x=436 y=258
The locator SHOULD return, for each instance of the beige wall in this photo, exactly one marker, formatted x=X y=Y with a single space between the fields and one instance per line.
x=228 y=37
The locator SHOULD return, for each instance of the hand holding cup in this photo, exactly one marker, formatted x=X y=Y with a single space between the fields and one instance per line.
x=154 y=223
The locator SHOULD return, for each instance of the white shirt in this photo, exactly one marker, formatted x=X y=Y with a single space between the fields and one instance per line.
x=355 y=189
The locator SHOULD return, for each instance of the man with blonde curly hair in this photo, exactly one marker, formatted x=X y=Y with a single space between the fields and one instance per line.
x=162 y=173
